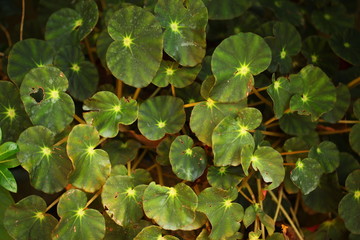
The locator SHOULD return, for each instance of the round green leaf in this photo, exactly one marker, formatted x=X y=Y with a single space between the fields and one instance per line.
x=354 y=138
x=139 y=176
x=135 y=55
x=67 y=26
x=233 y=63
x=48 y=165
x=163 y=150
x=185 y=25
x=306 y=175
x=295 y=124
x=349 y=206
x=43 y=94
x=13 y=118
x=327 y=154
x=312 y=97
x=26 y=55
x=76 y=221
x=231 y=134
x=348 y=163
x=107 y=112
x=27 y=219
x=153 y=233
x=280 y=94
x=285 y=44
x=215 y=112
x=346 y=45
x=224 y=177
x=356 y=108
x=161 y=115
x=5 y=201
x=102 y=44
x=226 y=9
x=223 y=213
x=121 y=152
x=341 y=105
x=92 y=166
x=172 y=208
x=170 y=72
x=123 y=200
x=187 y=162
x=82 y=75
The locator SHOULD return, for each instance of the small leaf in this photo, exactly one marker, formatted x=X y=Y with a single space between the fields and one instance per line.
x=224 y=214
x=153 y=233
x=121 y=152
x=92 y=166
x=172 y=208
x=354 y=138
x=107 y=112
x=27 y=219
x=163 y=150
x=341 y=105
x=7 y=180
x=161 y=115
x=327 y=154
x=187 y=162
x=8 y=150
x=76 y=221
x=346 y=45
x=280 y=94
x=224 y=177
x=250 y=216
x=306 y=175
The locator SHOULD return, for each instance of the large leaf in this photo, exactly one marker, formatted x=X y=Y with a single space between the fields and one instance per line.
x=136 y=53
x=231 y=134
x=187 y=162
x=215 y=112
x=5 y=201
x=77 y=221
x=349 y=206
x=67 y=26
x=82 y=75
x=172 y=208
x=280 y=94
x=223 y=213
x=269 y=162
x=107 y=112
x=234 y=62
x=185 y=24
x=306 y=175
x=13 y=118
x=295 y=124
x=327 y=154
x=346 y=45
x=26 y=55
x=27 y=219
x=226 y=9
x=92 y=166
x=48 y=165
x=43 y=94
x=314 y=92
x=122 y=199
x=153 y=233
x=161 y=115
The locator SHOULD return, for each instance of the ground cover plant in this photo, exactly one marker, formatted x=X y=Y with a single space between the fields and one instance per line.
x=179 y=119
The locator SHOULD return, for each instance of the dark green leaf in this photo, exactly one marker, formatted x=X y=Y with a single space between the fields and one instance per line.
x=341 y=105
x=121 y=152
x=280 y=94
x=327 y=154
x=153 y=233
x=224 y=177
x=226 y=9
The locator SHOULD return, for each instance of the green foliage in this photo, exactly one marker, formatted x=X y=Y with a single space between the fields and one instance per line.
x=245 y=118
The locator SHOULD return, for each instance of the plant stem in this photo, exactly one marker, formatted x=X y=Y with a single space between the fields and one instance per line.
x=128 y=164
x=77 y=118
x=246 y=184
x=294 y=152
x=173 y=90
x=192 y=104
x=22 y=19
x=136 y=94
x=101 y=141
x=335 y=131
x=91 y=56
x=267 y=102
x=119 y=85
x=258 y=89
x=7 y=34
x=260 y=199
x=274 y=134
x=93 y=198
x=286 y=215
x=155 y=92
x=279 y=203
x=61 y=141
x=160 y=175
x=151 y=167
x=138 y=160
x=270 y=121
x=255 y=104
x=343 y=121
x=53 y=203
x=354 y=82
x=289 y=164
x=245 y=196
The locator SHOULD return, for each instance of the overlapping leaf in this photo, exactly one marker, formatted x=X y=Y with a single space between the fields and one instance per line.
x=327 y=154
x=5 y=201
x=153 y=233
x=346 y=45
x=279 y=91
x=121 y=152
x=8 y=159
x=226 y=9
x=224 y=177
x=341 y=105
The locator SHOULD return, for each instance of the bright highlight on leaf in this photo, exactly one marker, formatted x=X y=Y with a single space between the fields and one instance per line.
x=80 y=212
x=90 y=150
x=10 y=112
x=127 y=41
x=174 y=27
x=188 y=151
x=40 y=215
x=117 y=108
x=346 y=44
x=75 y=67
x=46 y=151
x=131 y=192
x=210 y=103
x=54 y=94
x=282 y=54
x=227 y=203
x=357 y=194
x=77 y=24
x=161 y=124
x=172 y=192
x=242 y=70
x=170 y=71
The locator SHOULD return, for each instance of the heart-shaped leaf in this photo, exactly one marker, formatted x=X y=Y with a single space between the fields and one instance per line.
x=224 y=177
x=26 y=55
x=185 y=24
x=153 y=233
x=122 y=199
x=136 y=53
x=48 y=165
x=187 y=162
x=82 y=75
x=306 y=175
x=107 y=112
x=172 y=208
x=161 y=115
x=312 y=97
x=327 y=154
x=92 y=166
x=77 y=221
x=223 y=213
x=27 y=219
x=226 y=9
x=214 y=112
x=43 y=94
x=234 y=62
x=231 y=134
x=349 y=206
x=121 y=152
